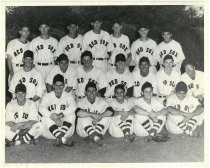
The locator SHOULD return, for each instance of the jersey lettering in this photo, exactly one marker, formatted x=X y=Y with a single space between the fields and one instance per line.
x=23 y=80
x=68 y=47
x=25 y=115
x=52 y=107
x=39 y=47
x=92 y=80
x=173 y=53
x=80 y=80
x=137 y=83
x=79 y=46
x=123 y=47
x=63 y=107
x=102 y=41
x=17 y=52
x=92 y=43
x=113 y=82
x=16 y=115
x=149 y=51
x=178 y=107
x=34 y=81
x=190 y=86
x=162 y=53
x=139 y=50
x=51 y=48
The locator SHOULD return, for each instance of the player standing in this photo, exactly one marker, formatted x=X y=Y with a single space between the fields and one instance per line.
x=44 y=48
x=58 y=113
x=98 y=42
x=169 y=47
x=93 y=115
x=144 y=47
x=71 y=45
x=120 y=43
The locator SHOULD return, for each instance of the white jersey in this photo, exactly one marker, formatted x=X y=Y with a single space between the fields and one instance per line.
x=98 y=107
x=139 y=80
x=69 y=76
x=172 y=48
x=125 y=106
x=17 y=113
x=51 y=104
x=32 y=80
x=141 y=49
x=119 y=45
x=154 y=106
x=166 y=83
x=114 y=78
x=15 y=49
x=72 y=47
x=196 y=86
x=96 y=75
x=44 y=49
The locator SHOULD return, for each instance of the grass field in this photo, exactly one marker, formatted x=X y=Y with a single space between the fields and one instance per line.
x=180 y=148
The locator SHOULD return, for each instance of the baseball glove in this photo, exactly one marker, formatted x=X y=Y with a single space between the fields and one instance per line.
x=158 y=138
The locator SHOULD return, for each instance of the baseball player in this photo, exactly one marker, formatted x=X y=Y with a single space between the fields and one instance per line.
x=167 y=78
x=89 y=73
x=66 y=71
x=144 y=47
x=121 y=124
x=146 y=121
x=58 y=113
x=22 y=124
x=93 y=115
x=98 y=42
x=142 y=76
x=185 y=111
x=71 y=45
x=44 y=48
x=169 y=47
x=120 y=43
x=15 y=50
x=119 y=75
x=30 y=77
x=194 y=80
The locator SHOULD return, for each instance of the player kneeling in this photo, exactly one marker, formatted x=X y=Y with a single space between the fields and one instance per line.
x=58 y=113
x=150 y=113
x=93 y=115
x=22 y=124
x=185 y=111
x=121 y=124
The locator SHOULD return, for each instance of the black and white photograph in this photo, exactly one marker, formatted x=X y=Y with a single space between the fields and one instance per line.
x=104 y=83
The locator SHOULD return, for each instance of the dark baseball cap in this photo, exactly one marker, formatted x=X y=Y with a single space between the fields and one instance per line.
x=20 y=88
x=90 y=84
x=28 y=53
x=144 y=59
x=167 y=57
x=96 y=18
x=181 y=87
x=120 y=86
x=120 y=57
x=62 y=57
x=57 y=78
x=146 y=85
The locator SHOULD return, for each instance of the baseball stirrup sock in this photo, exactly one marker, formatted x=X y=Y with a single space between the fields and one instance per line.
x=191 y=123
x=27 y=138
x=99 y=128
x=89 y=129
x=146 y=125
x=155 y=127
x=54 y=130
x=65 y=127
x=16 y=137
x=182 y=125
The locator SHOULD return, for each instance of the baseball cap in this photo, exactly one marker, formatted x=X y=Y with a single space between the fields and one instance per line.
x=28 y=53
x=62 y=57
x=90 y=84
x=96 y=18
x=86 y=53
x=120 y=57
x=57 y=78
x=20 y=88
x=143 y=25
x=120 y=86
x=146 y=85
x=181 y=87
x=144 y=59
x=167 y=57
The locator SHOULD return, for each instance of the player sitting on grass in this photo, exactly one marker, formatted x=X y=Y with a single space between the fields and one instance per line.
x=58 y=113
x=121 y=124
x=149 y=118
x=93 y=115
x=22 y=124
x=186 y=113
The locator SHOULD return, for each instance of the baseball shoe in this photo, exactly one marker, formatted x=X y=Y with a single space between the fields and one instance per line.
x=131 y=138
x=98 y=141
x=126 y=138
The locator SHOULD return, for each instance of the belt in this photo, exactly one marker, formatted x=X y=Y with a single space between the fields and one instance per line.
x=162 y=96
x=80 y=97
x=19 y=65
x=112 y=97
x=101 y=59
x=74 y=62
x=44 y=64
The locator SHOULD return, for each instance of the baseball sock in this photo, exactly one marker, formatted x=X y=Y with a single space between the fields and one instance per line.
x=182 y=125
x=190 y=124
x=146 y=125
x=16 y=137
x=155 y=127
x=99 y=128
x=66 y=126
x=27 y=138
x=89 y=129
x=54 y=130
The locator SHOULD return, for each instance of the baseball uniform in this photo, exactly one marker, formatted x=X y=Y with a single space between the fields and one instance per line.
x=72 y=47
x=44 y=54
x=143 y=124
x=98 y=45
x=85 y=125
x=116 y=124
x=146 y=48
x=174 y=123
x=51 y=104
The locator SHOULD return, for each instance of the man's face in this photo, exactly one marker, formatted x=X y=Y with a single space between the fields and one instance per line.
x=72 y=28
x=181 y=95
x=168 y=64
x=167 y=36
x=87 y=61
x=91 y=93
x=147 y=93
x=190 y=70
x=58 y=87
x=24 y=32
x=63 y=65
x=143 y=32
x=44 y=29
x=144 y=68
x=28 y=62
x=96 y=25
x=116 y=28
x=20 y=96
x=120 y=65
x=120 y=94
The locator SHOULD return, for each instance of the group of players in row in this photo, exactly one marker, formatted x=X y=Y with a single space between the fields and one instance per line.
x=81 y=88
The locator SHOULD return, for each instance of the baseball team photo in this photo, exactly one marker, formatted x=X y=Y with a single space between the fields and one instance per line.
x=104 y=84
